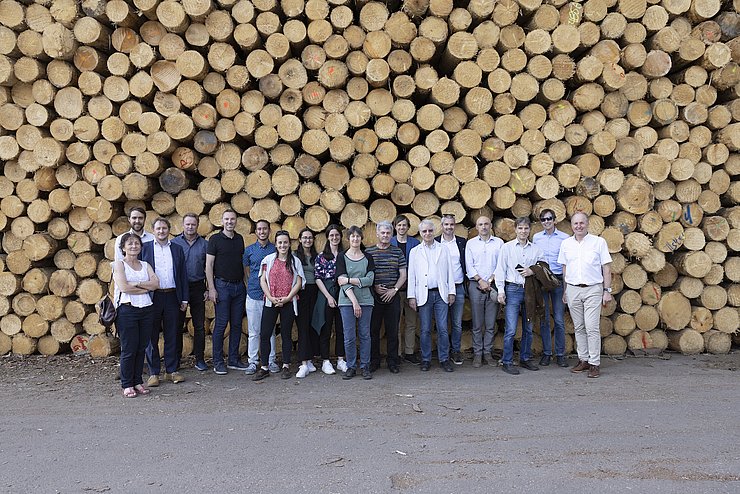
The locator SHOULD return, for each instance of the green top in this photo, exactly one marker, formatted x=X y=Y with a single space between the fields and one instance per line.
x=364 y=270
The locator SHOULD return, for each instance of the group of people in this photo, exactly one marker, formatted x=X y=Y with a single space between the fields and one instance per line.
x=354 y=293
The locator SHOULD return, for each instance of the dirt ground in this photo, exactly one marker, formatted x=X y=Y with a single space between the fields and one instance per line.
x=660 y=424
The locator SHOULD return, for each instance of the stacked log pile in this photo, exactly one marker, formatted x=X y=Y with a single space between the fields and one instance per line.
x=311 y=112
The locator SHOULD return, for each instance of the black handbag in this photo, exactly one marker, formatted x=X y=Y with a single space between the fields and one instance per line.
x=106 y=312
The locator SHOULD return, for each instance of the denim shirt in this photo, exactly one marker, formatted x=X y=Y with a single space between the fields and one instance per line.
x=550 y=245
x=195 y=257
x=252 y=258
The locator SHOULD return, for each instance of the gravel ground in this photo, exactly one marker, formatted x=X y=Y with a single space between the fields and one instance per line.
x=660 y=424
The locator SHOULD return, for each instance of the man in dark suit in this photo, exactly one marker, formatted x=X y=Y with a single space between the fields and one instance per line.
x=168 y=261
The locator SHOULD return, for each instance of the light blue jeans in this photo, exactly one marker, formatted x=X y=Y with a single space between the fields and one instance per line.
x=456 y=313
x=514 y=306
x=349 y=321
x=436 y=306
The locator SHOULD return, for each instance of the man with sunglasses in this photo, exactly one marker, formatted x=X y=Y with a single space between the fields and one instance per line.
x=549 y=241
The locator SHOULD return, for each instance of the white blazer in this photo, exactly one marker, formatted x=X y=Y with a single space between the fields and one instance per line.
x=418 y=273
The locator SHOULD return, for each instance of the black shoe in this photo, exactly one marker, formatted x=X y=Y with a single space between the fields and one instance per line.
x=526 y=364
x=484 y=361
x=425 y=366
x=285 y=373
x=349 y=374
x=394 y=369
x=447 y=366
x=510 y=369
x=412 y=358
x=496 y=355
x=562 y=360
x=545 y=360
x=366 y=374
x=374 y=366
x=260 y=374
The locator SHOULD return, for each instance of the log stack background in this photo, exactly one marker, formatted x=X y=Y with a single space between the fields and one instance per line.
x=311 y=112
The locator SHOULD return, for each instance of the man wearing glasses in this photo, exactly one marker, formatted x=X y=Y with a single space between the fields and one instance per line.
x=549 y=241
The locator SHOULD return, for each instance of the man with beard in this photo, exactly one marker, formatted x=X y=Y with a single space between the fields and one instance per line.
x=252 y=261
x=136 y=218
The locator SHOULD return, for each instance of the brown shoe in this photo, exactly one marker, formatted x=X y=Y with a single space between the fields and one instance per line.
x=175 y=377
x=153 y=381
x=594 y=371
x=582 y=366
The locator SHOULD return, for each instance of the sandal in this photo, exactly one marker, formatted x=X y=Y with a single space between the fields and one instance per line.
x=141 y=389
x=129 y=393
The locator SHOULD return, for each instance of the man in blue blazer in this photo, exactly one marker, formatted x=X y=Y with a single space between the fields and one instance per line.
x=456 y=248
x=168 y=261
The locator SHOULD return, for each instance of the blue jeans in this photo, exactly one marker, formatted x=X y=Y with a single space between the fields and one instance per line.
x=229 y=310
x=435 y=306
x=363 y=330
x=456 y=312
x=553 y=299
x=134 y=326
x=514 y=306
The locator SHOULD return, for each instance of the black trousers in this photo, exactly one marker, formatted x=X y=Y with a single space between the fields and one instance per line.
x=269 y=319
x=388 y=314
x=198 y=316
x=308 y=338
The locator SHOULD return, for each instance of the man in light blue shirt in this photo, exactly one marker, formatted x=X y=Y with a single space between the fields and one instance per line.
x=549 y=241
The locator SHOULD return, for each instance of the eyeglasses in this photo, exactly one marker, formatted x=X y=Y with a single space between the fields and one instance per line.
x=548 y=218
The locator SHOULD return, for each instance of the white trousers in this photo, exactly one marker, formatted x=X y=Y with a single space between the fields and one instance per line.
x=584 y=304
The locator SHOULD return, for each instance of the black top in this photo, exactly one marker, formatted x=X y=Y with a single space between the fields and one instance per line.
x=228 y=251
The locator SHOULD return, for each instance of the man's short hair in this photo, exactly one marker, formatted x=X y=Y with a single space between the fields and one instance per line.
x=545 y=212
x=229 y=211
x=383 y=225
x=522 y=220
x=162 y=220
x=426 y=222
x=256 y=223
x=400 y=218
x=137 y=209
x=191 y=215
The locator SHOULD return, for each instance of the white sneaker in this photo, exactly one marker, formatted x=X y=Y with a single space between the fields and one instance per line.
x=310 y=366
x=342 y=365
x=302 y=372
x=327 y=368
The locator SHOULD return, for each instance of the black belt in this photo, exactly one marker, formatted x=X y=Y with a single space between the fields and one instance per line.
x=229 y=281
x=435 y=289
x=165 y=290
x=507 y=283
x=582 y=285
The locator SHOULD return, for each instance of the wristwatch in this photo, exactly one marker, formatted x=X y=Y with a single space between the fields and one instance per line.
x=609 y=289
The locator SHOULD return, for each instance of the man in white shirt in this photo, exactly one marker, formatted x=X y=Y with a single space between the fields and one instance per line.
x=136 y=218
x=431 y=290
x=549 y=241
x=513 y=267
x=481 y=256
x=588 y=277
x=168 y=302
x=456 y=247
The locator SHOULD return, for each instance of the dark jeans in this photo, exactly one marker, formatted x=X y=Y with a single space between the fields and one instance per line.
x=390 y=315
x=229 y=310
x=134 y=326
x=308 y=338
x=269 y=318
x=198 y=315
x=333 y=317
x=166 y=314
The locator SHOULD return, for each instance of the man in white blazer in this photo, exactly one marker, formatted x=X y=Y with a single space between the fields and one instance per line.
x=431 y=290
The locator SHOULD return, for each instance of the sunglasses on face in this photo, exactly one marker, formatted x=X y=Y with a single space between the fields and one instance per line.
x=548 y=218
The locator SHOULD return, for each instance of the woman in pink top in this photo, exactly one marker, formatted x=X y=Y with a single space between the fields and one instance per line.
x=281 y=279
